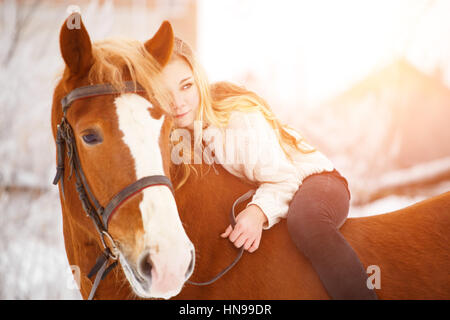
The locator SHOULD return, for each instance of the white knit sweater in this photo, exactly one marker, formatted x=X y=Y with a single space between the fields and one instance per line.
x=249 y=149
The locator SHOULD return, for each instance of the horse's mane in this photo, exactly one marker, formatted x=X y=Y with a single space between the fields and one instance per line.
x=119 y=59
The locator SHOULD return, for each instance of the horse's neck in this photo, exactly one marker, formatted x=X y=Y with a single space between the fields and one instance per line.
x=81 y=249
x=204 y=204
x=216 y=187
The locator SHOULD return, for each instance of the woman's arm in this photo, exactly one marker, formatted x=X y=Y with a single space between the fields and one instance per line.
x=259 y=157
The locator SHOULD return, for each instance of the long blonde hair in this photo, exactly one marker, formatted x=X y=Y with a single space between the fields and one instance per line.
x=219 y=100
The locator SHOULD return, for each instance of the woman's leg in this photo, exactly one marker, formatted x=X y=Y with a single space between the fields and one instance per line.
x=316 y=212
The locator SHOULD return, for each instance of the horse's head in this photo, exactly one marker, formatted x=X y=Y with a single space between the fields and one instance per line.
x=117 y=138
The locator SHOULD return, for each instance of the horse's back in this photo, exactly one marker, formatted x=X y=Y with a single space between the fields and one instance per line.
x=410 y=246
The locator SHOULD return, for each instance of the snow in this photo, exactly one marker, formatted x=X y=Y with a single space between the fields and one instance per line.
x=33 y=263
x=381 y=206
x=416 y=173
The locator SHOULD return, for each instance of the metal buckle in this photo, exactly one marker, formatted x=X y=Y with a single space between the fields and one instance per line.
x=114 y=255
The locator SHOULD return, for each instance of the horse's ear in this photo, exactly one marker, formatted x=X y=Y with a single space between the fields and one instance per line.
x=161 y=45
x=75 y=44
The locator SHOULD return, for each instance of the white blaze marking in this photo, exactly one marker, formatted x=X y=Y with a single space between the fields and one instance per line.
x=160 y=218
x=141 y=133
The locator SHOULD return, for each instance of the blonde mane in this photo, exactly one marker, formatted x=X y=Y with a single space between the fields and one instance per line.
x=118 y=60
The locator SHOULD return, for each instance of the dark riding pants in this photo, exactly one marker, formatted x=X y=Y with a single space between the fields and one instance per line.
x=317 y=211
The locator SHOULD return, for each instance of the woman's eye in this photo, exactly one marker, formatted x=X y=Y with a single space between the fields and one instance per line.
x=92 y=138
x=187 y=86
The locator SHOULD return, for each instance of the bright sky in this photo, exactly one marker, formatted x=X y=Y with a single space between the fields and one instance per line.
x=311 y=50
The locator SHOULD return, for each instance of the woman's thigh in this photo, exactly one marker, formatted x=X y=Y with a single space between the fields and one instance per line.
x=320 y=204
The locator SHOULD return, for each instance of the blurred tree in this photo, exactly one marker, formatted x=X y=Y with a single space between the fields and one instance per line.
x=21 y=19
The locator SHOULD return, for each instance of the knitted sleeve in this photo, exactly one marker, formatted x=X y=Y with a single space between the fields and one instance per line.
x=252 y=150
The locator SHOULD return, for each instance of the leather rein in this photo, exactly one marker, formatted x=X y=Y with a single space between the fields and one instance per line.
x=100 y=215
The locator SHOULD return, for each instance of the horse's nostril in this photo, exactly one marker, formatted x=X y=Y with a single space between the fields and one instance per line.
x=145 y=266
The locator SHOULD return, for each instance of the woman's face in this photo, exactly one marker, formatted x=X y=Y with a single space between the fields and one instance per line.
x=178 y=78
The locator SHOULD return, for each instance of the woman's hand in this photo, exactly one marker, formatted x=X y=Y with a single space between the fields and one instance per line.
x=248 y=229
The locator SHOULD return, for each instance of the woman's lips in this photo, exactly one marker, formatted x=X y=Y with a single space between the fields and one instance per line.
x=181 y=115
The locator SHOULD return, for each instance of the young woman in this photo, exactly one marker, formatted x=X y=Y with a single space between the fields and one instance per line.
x=295 y=181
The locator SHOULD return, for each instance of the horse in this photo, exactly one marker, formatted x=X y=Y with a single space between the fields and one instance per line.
x=121 y=209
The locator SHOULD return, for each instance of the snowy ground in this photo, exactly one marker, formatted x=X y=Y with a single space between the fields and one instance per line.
x=33 y=263
x=395 y=202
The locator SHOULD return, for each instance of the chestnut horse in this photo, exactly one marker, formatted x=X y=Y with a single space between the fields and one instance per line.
x=121 y=138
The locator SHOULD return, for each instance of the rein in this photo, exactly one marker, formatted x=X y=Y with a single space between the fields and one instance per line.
x=241 y=251
x=100 y=215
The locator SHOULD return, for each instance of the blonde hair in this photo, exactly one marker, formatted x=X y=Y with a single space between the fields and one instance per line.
x=219 y=100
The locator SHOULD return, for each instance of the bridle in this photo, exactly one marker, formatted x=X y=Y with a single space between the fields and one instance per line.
x=101 y=215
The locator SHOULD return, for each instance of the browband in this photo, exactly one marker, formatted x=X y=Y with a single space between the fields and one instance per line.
x=97 y=90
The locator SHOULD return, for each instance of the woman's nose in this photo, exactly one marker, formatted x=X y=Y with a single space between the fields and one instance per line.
x=178 y=103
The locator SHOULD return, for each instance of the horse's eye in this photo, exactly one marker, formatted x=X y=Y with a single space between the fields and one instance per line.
x=92 y=138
